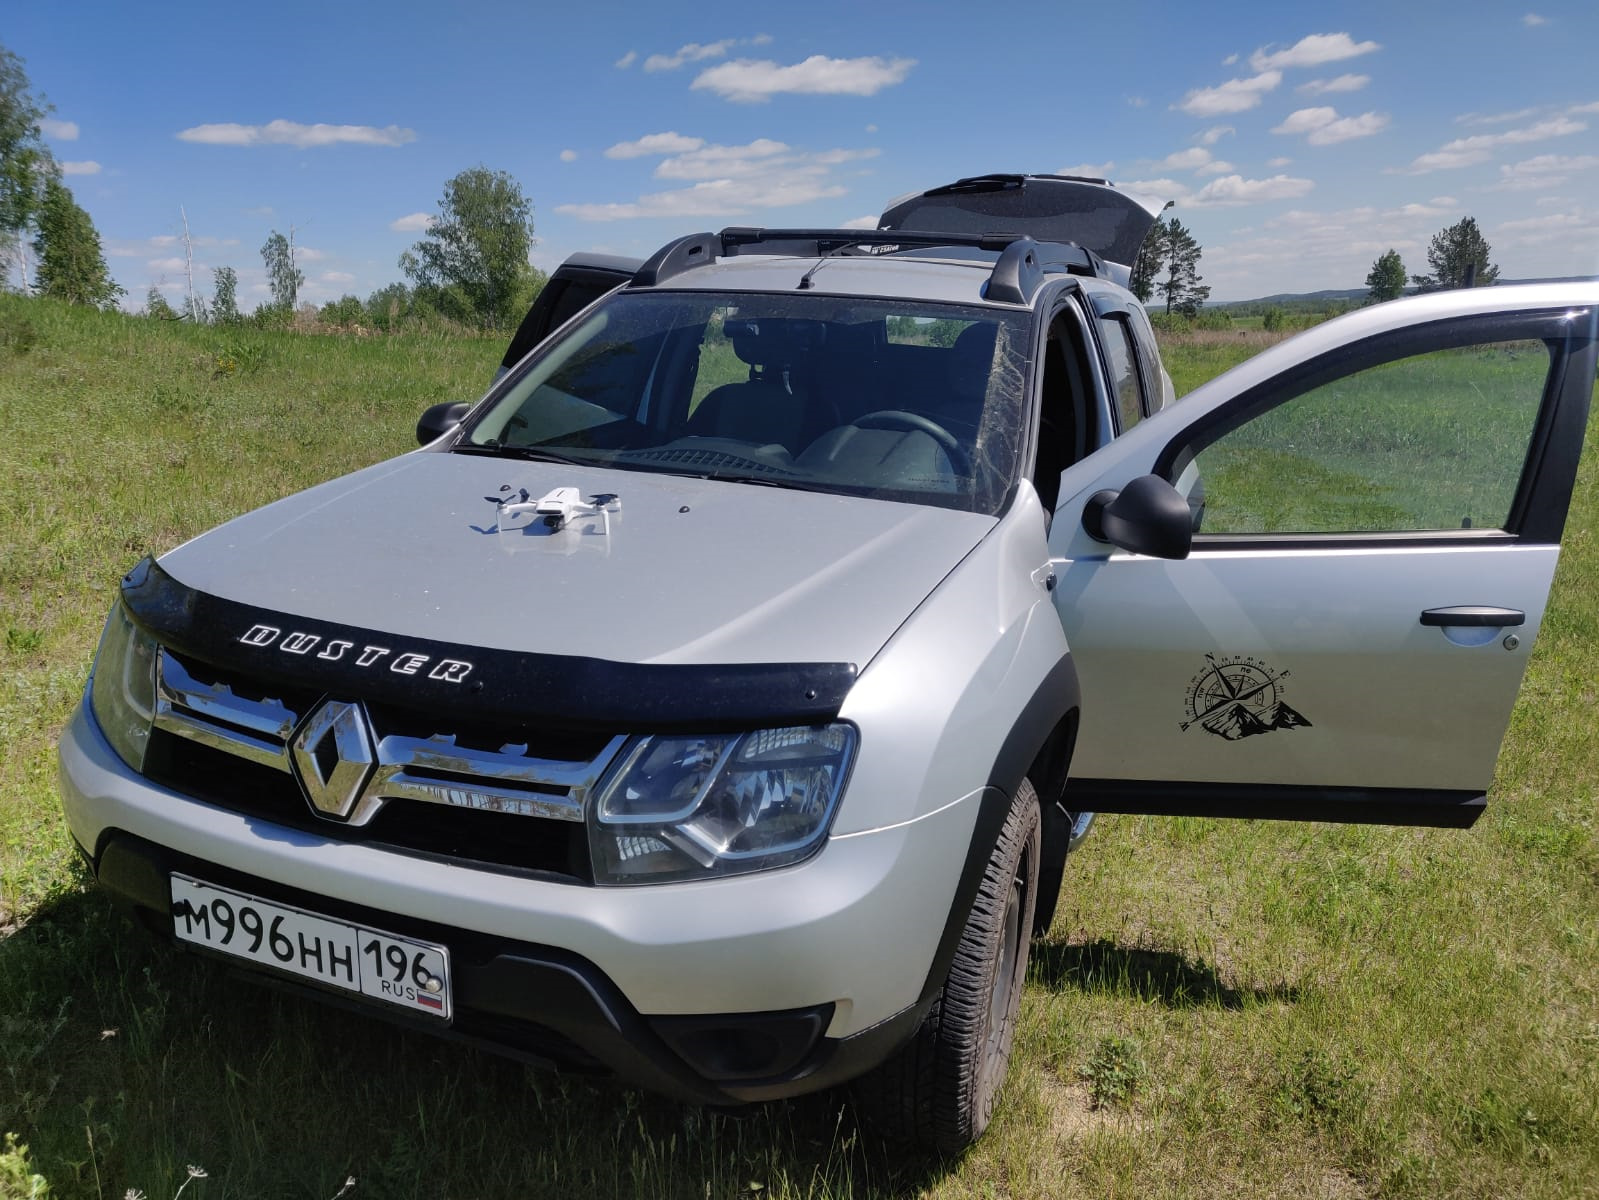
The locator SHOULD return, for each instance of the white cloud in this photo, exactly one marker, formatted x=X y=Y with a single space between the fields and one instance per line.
x=1584 y=108
x=1136 y=102
x=1278 y=162
x=1324 y=127
x=1102 y=170
x=1185 y=160
x=412 y=222
x=671 y=142
x=1236 y=95
x=1219 y=166
x=1230 y=60
x=568 y=155
x=761 y=39
x=692 y=52
x=715 y=198
x=61 y=131
x=1343 y=83
x=86 y=167
x=1311 y=51
x=871 y=129
x=1533 y=20
x=307 y=254
x=1465 y=152
x=1575 y=232
x=627 y=60
x=292 y=133
x=728 y=180
x=1504 y=118
x=1166 y=189
x=867 y=222
x=1235 y=189
x=1214 y=134
x=166 y=264
x=1543 y=171
x=749 y=81
x=337 y=277
x=715 y=162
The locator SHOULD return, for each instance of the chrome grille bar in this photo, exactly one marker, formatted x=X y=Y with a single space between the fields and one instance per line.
x=433 y=770
x=216 y=716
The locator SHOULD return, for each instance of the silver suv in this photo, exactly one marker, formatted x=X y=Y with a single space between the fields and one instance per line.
x=715 y=703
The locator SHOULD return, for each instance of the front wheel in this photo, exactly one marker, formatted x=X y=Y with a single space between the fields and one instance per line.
x=938 y=1092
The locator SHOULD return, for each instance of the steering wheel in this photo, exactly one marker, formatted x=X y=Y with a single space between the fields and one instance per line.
x=898 y=418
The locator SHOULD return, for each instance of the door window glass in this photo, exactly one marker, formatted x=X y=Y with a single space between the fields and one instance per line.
x=1123 y=374
x=1434 y=441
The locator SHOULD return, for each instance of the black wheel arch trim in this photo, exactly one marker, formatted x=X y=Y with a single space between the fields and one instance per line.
x=1045 y=728
x=558 y=690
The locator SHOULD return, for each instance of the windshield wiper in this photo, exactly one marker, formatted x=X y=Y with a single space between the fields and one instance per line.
x=499 y=449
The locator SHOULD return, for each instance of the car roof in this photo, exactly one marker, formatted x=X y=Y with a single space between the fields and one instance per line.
x=992 y=269
x=946 y=281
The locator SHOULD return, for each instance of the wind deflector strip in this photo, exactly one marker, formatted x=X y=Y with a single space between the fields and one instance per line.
x=553 y=689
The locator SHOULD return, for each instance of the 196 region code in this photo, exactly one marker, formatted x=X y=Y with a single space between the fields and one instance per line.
x=401 y=971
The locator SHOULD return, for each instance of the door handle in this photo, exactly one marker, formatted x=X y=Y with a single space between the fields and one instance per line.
x=1474 y=616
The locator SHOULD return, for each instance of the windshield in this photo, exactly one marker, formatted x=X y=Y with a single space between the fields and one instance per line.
x=905 y=401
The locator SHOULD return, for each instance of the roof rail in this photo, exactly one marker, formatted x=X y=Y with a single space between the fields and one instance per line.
x=1016 y=275
x=684 y=254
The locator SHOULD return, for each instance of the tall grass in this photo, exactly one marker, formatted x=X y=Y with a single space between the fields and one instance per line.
x=1221 y=1008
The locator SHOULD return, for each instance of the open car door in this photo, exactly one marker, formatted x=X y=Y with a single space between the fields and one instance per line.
x=1376 y=509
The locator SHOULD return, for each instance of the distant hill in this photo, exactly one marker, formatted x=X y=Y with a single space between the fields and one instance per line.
x=1315 y=300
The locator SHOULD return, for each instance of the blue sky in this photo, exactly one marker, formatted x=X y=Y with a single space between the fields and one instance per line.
x=1298 y=143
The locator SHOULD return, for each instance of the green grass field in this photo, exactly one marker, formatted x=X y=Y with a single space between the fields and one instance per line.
x=1221 y=1008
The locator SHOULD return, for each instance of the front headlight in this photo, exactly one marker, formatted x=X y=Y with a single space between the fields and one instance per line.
x=122 y=689
x=683 y=807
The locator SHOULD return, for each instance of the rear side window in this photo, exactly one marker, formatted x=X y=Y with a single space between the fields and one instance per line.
x=1113 y=336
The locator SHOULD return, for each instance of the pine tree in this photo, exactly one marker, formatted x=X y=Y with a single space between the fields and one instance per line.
x=1386 y=280
x=1458 y=256
x=1146 y=266
x=71 y=264
x=1182 y=288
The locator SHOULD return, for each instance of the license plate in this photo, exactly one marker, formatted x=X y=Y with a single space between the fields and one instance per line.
x=396 y=970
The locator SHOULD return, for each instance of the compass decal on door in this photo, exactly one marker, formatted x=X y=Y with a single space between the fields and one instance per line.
x=1238 y=697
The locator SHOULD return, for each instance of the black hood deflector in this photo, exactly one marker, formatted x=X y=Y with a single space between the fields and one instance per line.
x=551 y=689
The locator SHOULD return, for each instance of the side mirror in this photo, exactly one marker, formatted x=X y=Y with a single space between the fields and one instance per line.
x=439 y=420
x=1148 y=516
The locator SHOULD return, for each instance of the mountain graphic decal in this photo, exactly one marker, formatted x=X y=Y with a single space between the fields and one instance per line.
x=1240 y=697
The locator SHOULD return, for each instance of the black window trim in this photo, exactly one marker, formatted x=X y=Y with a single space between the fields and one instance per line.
x=1543 y=492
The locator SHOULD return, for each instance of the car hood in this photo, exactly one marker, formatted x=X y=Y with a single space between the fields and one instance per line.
x=692 y=571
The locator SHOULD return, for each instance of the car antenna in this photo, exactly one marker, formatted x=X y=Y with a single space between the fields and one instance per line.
x=805 y=279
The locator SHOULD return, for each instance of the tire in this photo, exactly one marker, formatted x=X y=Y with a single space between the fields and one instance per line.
x=938 y=1092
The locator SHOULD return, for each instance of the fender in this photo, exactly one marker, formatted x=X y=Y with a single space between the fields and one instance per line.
x=1042 y=737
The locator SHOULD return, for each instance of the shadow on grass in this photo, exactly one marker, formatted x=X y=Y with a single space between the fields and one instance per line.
x=123 y=1060
x=1164 y=976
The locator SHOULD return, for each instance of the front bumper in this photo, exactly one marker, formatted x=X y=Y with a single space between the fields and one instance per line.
x=741 y=989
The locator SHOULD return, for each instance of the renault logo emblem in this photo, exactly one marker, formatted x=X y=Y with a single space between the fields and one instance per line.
x=333 y=757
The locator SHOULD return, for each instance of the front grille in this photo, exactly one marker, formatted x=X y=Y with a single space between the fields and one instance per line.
x=499 y=794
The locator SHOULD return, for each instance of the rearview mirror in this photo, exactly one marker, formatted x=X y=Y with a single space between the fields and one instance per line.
x=439 y=420
x=1148 y=516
